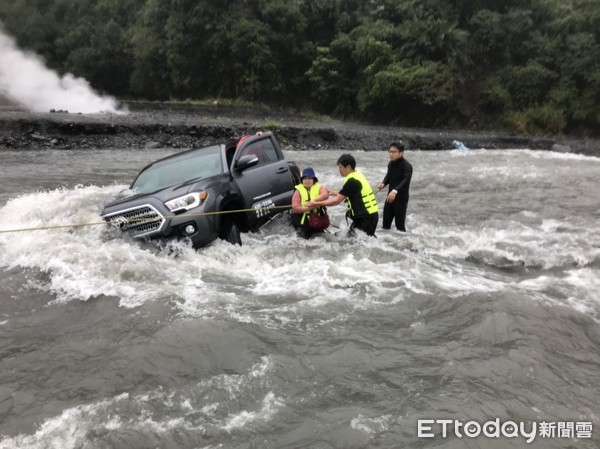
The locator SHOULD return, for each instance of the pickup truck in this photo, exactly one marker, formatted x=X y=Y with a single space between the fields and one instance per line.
x=208 y=193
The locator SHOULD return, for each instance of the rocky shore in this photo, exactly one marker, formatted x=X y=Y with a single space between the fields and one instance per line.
x=150 y=125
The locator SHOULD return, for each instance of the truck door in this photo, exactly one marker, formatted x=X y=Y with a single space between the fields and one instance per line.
x=266 y=184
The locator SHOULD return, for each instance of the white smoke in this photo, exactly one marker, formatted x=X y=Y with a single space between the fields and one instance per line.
x=25 y=79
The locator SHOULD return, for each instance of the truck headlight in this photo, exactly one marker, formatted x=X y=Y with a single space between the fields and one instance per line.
x=186 y=202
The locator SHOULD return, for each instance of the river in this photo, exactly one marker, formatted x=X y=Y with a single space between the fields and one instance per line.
x=486 y=314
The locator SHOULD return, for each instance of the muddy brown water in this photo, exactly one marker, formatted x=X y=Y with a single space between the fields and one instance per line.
x=487 y=309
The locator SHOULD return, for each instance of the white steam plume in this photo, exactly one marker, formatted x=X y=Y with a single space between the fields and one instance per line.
x=25 y=79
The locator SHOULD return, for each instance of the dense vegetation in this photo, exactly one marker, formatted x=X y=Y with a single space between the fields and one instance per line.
x=529 y=65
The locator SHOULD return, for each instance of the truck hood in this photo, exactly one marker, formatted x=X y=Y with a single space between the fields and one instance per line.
x=159 y=196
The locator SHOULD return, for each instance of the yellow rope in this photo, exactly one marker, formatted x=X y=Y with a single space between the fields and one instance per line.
x=141 y=220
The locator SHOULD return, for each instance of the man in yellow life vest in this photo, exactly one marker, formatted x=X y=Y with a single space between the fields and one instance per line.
x=358 y=194
x=309 y=188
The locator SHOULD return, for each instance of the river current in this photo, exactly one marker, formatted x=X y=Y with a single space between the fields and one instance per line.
x=487 y=311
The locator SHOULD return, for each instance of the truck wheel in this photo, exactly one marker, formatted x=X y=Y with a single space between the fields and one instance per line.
x=230 y=232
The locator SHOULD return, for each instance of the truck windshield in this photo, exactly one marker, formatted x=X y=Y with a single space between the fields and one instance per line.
x=177 y=170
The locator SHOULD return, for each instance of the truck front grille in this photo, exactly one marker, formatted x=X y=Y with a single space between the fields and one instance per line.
x=138 y=221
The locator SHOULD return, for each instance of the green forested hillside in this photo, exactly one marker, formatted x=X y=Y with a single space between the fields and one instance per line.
x=527 y=65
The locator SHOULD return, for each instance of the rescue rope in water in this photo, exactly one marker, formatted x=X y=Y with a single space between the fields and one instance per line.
x=142 y=220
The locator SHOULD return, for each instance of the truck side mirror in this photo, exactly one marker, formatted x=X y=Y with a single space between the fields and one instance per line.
x=245 y=162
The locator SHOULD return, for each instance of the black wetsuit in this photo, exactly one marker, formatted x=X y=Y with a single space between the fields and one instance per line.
x=398 y=178
x=361 y=219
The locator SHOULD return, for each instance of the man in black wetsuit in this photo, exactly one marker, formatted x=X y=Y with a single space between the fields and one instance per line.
x=398 y=177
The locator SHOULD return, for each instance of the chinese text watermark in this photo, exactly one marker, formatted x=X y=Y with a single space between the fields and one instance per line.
x=430 y=428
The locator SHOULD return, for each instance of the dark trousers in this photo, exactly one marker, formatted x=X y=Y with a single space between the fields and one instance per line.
x=305 y=232
x=366 y=223
x=302 y=229
x=395 y=210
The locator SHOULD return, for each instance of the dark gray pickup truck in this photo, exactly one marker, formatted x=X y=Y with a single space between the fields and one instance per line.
x=208 y=193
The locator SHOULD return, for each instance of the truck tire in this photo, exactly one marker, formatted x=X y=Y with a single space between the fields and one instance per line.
x=230 y=232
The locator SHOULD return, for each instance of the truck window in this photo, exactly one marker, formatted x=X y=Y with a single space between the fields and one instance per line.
x=264 y=150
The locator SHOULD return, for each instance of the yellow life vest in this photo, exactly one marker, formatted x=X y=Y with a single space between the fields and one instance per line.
x=305 y=197
x=368 y=197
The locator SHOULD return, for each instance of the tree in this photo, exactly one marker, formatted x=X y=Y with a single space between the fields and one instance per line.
x=150 y=77
x=534 y=64
x=409 y=93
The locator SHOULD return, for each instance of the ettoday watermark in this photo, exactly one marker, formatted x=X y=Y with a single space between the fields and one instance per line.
x=430 y=428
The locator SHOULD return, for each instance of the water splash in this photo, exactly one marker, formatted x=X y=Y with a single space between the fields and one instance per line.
x=25 y=79
x=460 y=146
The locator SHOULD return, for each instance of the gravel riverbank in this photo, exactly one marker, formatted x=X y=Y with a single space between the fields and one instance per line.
x=149 y=125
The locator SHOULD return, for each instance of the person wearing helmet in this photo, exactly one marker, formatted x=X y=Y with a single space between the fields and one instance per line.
x=309 y=189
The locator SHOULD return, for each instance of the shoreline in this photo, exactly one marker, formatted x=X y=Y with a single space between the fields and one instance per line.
x=153 y=125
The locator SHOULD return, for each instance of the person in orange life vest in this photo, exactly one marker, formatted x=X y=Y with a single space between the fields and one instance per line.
x=254 y=149
x=308 y=189
x=243 y=138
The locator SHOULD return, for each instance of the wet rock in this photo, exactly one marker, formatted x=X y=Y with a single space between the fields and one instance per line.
x=151 y=145
x=36 y=136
